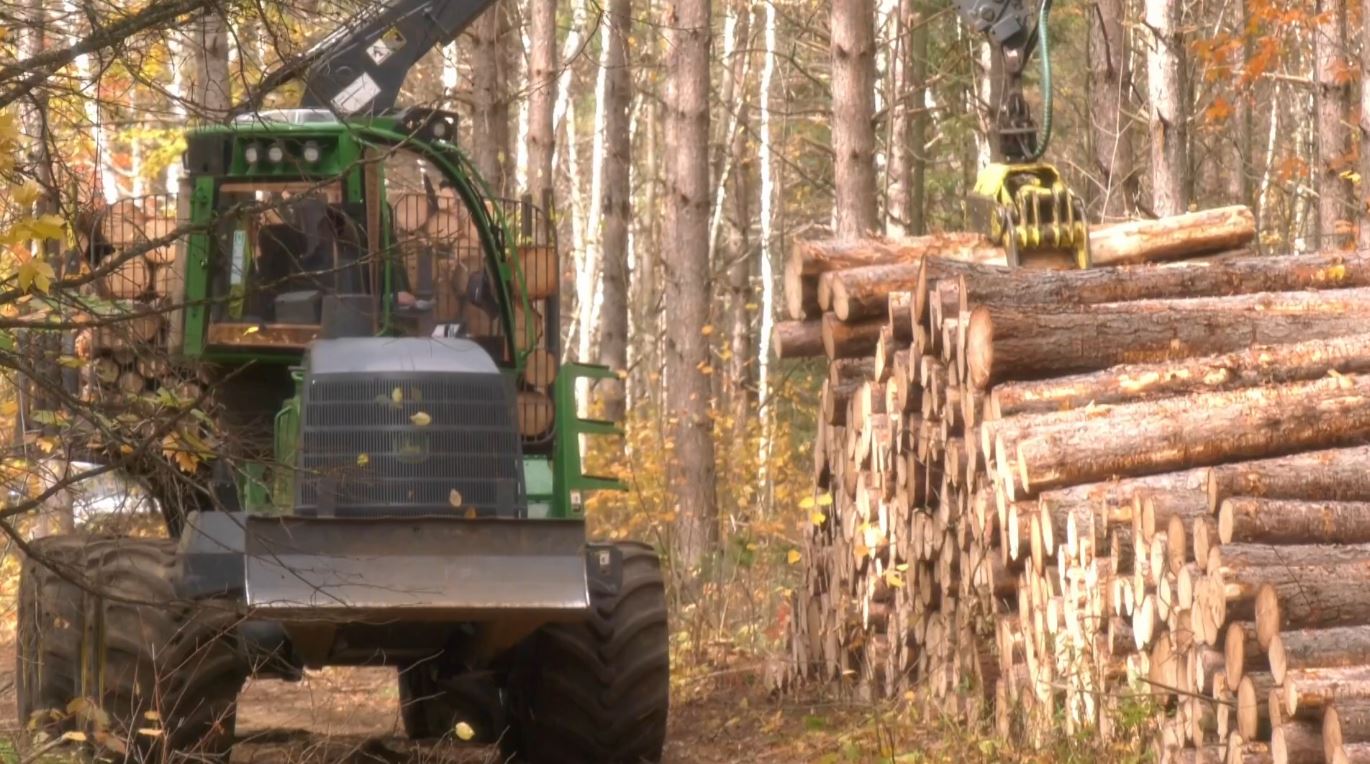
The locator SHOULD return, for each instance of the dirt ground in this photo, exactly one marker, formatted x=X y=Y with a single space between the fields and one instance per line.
x=351 y=716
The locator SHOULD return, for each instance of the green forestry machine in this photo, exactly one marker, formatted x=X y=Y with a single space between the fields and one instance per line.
x=400 y=479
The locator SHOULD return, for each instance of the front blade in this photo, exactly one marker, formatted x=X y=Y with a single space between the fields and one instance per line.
x=415 y=569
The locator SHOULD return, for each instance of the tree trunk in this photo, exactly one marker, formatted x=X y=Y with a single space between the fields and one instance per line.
x=1032 y=342
x=542 y=97
x=1333 y=475
x=738 y=218
x=1149 y=437
x=853 y=114
x=1134 y=382
x=918 y=131
x=210 y=86
x=1363 y=206
x=616 y=207
x=1168 y=113
x=1110 y=83
x=490 y=144
x=902 y=217
x=1239 y=178
x=1294 y=521
x=1333 y=96
x=690 y=468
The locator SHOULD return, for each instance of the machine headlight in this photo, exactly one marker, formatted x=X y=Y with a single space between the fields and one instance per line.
x=311 y=152
x=276 y=154
x=253 y=153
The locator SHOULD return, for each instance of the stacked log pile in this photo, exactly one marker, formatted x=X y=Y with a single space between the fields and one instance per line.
x=1064 y=500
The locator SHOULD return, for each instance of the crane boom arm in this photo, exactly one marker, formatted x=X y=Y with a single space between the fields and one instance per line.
x=359 y=68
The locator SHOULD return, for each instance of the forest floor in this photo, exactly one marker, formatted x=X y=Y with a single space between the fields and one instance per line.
x=351 y=716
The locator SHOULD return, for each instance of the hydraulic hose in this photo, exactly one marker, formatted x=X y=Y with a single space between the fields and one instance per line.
x=1044 y=139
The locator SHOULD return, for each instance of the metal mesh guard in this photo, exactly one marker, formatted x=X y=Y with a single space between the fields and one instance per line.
x=416 y=444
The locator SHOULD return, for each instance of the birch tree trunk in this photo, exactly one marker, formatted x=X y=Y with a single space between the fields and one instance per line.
x=1109 y=83
x=1165 y=85
x=1333 y=96
x=738 y=222
x=616 y=207
x=853 y=108
x=918 y=131
x=766 y=201
x=690 y=466
x=542 y=97
x=490 y=144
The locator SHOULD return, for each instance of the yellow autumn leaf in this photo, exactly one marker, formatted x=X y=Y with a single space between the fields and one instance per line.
x=464 y=731
x=420 y=419
x=806 y=503
x=363 y=460
x=74 y=736
x=470 y=513
x=152 y=716
x=817 y=518
x=893 y=578
x=149 y=731
x=794 y=557
x=825 y=500
x=397 y=395
x=35 y=274
x=252 y=330
x=454 y=498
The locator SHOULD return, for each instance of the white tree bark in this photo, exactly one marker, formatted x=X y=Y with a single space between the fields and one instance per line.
x=766 y=200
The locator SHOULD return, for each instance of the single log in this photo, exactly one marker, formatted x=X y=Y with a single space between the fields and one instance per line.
x=901 y=315
x=1240 y=275
x=797 y=339
x=1337 y=647
x=1296 y=742
x=122 y=224
x=1004 y=343
x=540 y=272
x=131 y=382
x=1332 y=475
x=1292 y=521
x=1308 y=692
x=1314 y=586
x=1132 y=382
x=1144 y=438
x=1188 y=235
x=541 y=369
x=809 y=259
x=841 y=340
x=1344 y=722
x=534 y=414
x=864 y=292
x=129 y=280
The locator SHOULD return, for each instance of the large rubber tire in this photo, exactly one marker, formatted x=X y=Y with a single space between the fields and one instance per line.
x=431 y=705
x=48 y=655
x=598 y=690
x=166 y=664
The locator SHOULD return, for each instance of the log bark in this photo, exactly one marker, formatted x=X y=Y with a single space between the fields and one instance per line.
x=1309 y=692
x=1164 y=436
x=842 y=340
x=1331 y=475
x=810 y=259
x=1296 y=742
x=981 y=284
x=1133 y=382
x=1178 y=236
x=1336 y=647
x=1294 y=521
x=797 y=339
x=1311 y=586
x=1344 y=722
x=1042 y=341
